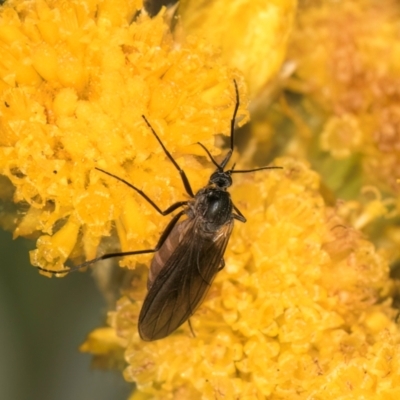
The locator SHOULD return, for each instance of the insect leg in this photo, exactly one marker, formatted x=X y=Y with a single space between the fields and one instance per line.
x=239 y=216
x=222 y=266
x=169 y=210
x=191 y=328
x=160 y=242
x=184 y=178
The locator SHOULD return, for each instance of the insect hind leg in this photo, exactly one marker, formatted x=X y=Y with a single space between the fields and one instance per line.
x=160 y=242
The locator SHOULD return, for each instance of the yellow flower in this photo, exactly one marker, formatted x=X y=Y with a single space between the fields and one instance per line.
x=76 y=79
x=341 y=108
x=252 y=35
x=347 y=65
x=302 y=308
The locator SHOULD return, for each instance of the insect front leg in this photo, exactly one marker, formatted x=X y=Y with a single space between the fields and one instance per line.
x=239 y=216
x=184 y=178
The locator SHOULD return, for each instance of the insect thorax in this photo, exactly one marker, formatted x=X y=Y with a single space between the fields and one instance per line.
x=213 y=207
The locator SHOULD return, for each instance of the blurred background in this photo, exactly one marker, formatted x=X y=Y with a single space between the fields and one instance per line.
x=42 y=323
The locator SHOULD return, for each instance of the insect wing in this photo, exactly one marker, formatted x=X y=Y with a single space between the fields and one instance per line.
x=183 y=282
x=160 y=258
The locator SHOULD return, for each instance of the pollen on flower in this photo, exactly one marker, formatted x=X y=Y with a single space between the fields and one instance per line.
x=76 y=78
x=308 y=310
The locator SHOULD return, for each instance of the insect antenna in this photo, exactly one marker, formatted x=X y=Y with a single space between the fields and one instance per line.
x=221 y=166
x=232 y=170
x=234 y=118
x=209 y=155
x=225 y=161
x=244 y=171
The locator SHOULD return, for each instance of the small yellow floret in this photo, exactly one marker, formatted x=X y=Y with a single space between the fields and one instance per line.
x=102 y=341
x=341 y=136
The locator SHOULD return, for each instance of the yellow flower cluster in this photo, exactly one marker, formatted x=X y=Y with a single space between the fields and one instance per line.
x=346 y=115
x=347 y=63
x=301 y=310
x=76 y=79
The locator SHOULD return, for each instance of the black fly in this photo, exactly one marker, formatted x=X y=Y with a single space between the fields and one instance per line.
x=190 y=252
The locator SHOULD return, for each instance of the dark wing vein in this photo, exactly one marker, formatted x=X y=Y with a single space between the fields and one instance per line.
x=183 y=282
